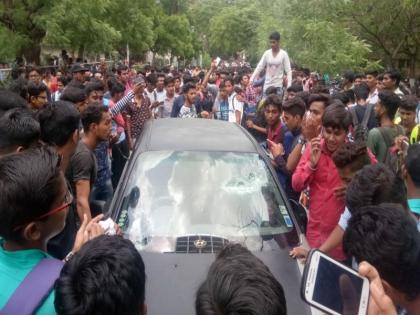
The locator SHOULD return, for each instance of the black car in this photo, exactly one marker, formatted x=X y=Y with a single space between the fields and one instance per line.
x=190 y=187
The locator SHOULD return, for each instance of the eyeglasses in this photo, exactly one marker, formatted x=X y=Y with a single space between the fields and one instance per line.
x=68 y=200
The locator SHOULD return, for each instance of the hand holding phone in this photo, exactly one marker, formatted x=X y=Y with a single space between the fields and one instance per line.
x=333 y=287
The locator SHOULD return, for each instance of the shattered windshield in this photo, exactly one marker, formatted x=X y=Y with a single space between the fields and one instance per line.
x=224 y=195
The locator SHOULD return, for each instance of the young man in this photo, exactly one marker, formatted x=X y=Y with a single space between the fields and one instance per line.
x=37 y=95
x=123 y=75
x=59 y=122
x=177 y=85
x=348 y=80
x=372 y=83
x=82 y=172
x=275 y=62
x=236 y=107
x=293 y=90
x=272 y=113
x=382 y=138
x=78 y=73
x=34 y=75
x=391 y=82
x=19 y=131
x=110 y=265
x=95 y=92
x=317 y=171
x=293 y=112
x=239 y=283
x=75 y=95
x=188 y=110
x=165 y=109
x=412 y=180
x=61 y=84
x=221 y=104
x=387 y=237
x=33 y=209
x=160 y=88
x=407 y=111
x=150 y=91
x=362 y=111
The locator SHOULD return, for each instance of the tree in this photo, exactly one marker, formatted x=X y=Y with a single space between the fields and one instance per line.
x=21 y=27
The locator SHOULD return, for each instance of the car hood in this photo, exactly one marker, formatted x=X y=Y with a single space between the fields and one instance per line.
x=173 y=280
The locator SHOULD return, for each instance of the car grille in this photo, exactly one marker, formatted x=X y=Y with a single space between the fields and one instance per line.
x=198 y=244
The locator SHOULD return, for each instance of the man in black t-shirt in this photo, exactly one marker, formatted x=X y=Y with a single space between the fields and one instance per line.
x=96 y=121
x=361 y=93
x=59 y=123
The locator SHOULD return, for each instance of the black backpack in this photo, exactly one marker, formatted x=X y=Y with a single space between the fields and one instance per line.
x=360 y=130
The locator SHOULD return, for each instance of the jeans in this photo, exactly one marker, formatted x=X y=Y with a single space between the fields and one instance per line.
x=100 y=197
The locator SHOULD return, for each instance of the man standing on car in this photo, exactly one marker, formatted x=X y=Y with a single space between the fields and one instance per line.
x=276 y=62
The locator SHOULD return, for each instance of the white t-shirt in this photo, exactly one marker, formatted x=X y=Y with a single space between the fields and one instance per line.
x=160 y=96
x=344 y=219
x=275 y=67
x=234 y=105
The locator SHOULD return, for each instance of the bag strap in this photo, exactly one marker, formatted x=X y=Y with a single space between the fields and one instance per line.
x=354 y=116
x=34 y=289
x=367 y=114
x=386 y=137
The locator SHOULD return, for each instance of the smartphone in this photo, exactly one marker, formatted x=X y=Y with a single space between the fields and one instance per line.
x=333 y=287
x=218 y=61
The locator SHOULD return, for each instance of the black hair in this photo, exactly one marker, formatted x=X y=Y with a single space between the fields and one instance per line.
x=229 y=79
x=394 y=75
x=412 y=163
x=274 y=36
x=107 y=276
x=160 y=75
x=342 y=97
x=94 y=86
x=349 y=76
x=361 y=91
x=151 y=79
x=58 y=122
x=92 y=115
x=359 y=76
x=373 y=73
x=121 y=68
x=350 y=95
x=305 y=97
x=35 y=89
x=380 y=77
x=409 y=102
x=17 y=128
x=337 y=117
x=240 y=283
x=9 y=100
x=353 y=154
x=115 y=87
x=64 y=79
x=73 y=94
x=169 y=80
x=30 y=69
x=295 y=88
x=20 y=87
x=321 y=97
x=30 y=182
x=187 y=87
x=273 y=100
x=372 y=185
x=390 y=101
x=295 y=106
x=387 y=238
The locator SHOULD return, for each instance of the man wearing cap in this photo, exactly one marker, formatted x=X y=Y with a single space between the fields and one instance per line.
x=78 y=72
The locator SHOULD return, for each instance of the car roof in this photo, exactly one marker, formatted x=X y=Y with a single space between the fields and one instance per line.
x=176 y=134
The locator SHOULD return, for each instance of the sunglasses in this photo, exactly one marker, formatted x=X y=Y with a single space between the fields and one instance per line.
x=68 y=200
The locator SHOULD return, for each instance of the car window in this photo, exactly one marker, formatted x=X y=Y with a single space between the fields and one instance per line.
x=187 y=201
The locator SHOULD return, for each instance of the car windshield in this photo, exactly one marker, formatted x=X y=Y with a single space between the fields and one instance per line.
x=172 y=199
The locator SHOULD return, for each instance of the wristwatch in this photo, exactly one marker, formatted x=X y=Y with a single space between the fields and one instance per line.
x=301 y=141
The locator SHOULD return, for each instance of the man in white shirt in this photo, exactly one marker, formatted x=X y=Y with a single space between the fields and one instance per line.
x=236 y=107
x=276 y=62
x=372 y=83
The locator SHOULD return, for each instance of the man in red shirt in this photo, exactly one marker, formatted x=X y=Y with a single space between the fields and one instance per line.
x=317 y=171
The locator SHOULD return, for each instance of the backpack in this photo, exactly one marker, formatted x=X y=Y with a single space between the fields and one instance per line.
x=34 y=289
x=361 y=131
x=392 y=160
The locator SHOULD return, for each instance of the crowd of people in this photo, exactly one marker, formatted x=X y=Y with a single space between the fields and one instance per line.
x=351 y=155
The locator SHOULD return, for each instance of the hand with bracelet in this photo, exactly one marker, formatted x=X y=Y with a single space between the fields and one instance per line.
x=87 y=231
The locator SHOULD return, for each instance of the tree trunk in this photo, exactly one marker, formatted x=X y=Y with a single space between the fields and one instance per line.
x=32 y=53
